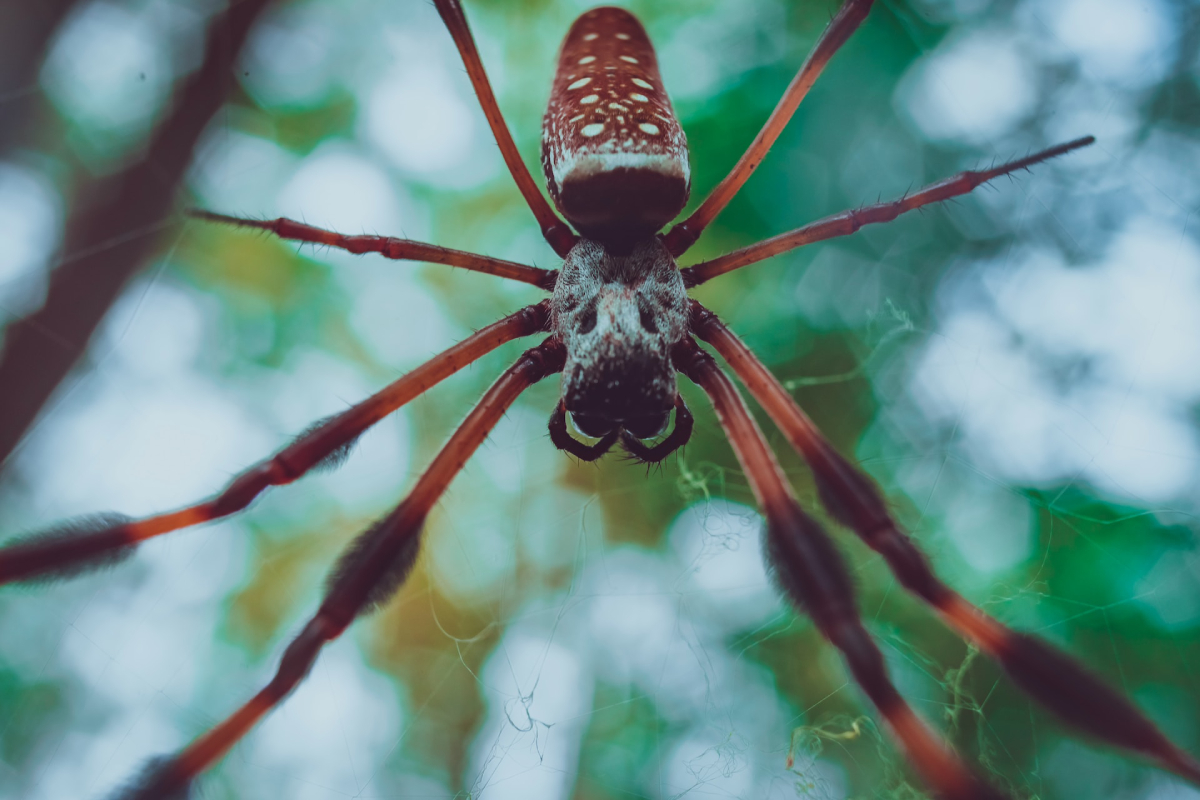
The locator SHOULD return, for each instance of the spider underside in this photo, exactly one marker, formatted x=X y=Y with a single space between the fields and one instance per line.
x=621 y=327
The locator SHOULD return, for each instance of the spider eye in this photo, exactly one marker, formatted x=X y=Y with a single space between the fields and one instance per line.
x=648 y=426
x=593 y=425
x=646 y=314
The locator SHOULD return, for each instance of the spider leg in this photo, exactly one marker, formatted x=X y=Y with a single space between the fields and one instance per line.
x=680 y=435
x=1058 y=682
x=389 y=247
x=847 y=222
x=563 y=440
x=554 y=229
x=809 y=569
x=684 y=234
x=370 y=570
x=99 y=541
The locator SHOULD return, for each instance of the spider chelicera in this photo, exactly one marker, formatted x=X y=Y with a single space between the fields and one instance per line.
x=620 y=327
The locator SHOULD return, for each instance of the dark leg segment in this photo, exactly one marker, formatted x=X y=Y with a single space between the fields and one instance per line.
x=1057 y=681
x=371 y=569
x=845 y=23
x=99 y=541
x=810 y=570
x=389 y=247
x=680 y=435
x=554 y=229
x=847 y=222
x=563 y=439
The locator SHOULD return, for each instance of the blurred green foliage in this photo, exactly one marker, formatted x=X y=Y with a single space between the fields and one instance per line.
x=849 y=143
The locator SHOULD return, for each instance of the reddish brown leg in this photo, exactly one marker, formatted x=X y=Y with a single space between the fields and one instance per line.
x=811 y=572
x=100 y=541
x=554 y=229
x=367 y=574
x=847 y=222
x=1057 y=681
x=849 y=17
x=390 y=247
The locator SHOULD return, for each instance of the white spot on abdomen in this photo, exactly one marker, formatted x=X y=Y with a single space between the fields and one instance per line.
x=587 y=59
x=591 y=98
x=595 y=129
x=641 y=83
x=630 y=59
x=641 y=98
x=649 y=127
x=579 y=84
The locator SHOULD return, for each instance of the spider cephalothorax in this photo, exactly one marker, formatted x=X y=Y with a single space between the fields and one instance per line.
x=620 y=327
x=619 y=316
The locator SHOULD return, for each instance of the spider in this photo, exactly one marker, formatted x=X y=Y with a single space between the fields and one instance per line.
x=621 y=330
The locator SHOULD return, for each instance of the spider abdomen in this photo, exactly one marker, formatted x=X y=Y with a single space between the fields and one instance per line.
x=614 y=154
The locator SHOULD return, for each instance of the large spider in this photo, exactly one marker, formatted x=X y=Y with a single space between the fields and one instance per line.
x=620 y=326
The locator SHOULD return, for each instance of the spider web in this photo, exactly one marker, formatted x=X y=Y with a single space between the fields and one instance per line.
x=1017 y=370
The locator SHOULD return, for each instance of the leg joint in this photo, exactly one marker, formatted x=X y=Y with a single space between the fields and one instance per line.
x=545 y=359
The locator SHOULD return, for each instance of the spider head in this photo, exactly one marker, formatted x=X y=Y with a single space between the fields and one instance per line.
x=619 y=316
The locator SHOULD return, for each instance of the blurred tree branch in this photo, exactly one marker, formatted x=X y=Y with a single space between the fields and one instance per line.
x=24 y=42
x=113 y=228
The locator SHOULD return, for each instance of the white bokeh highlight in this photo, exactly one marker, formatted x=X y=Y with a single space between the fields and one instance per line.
x=972 y=88
x=1129 y=321
x=31 y=221
x=1125 y=42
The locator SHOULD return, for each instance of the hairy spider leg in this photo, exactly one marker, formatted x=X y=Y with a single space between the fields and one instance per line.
x=102 y=540
x=367 y=574
x=847 y=222
x=1058 y=682
x=684 y=234
x=679 y=436
x=810 y=571
x=389 y=247
x=554 y=229
x=561 y=438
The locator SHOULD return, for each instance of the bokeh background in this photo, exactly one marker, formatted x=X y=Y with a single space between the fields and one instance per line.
x=1019 y=370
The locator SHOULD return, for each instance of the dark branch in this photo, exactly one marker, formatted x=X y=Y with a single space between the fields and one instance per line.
x=111 y=233
x=24 y=43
